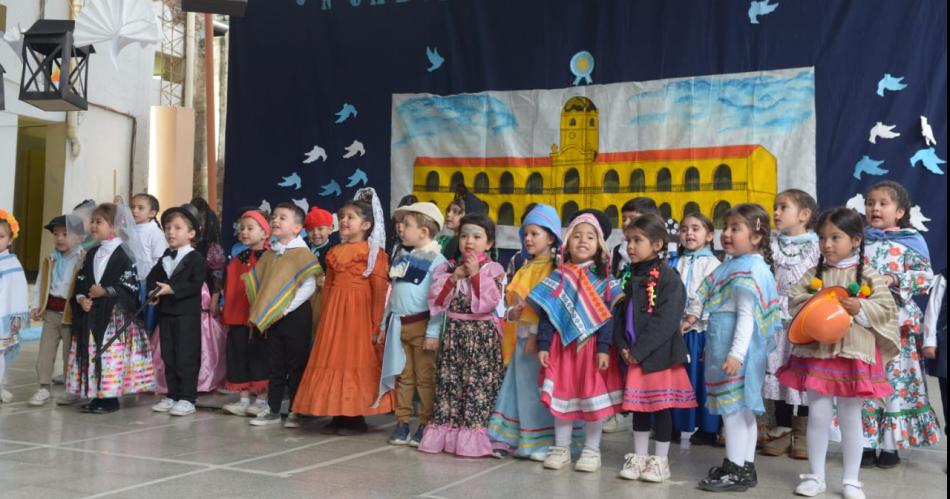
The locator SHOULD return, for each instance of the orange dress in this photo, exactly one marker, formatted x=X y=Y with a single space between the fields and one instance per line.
x=342 y=376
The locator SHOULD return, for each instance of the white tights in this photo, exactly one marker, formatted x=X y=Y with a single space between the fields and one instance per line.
x=3 y=367
x=563 y=428
x=820 y=413
x=741 y=434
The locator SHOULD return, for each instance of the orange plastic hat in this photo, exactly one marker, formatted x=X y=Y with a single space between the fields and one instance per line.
x=822 y=318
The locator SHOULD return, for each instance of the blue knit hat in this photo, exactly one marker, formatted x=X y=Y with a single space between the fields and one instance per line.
x=543 y=216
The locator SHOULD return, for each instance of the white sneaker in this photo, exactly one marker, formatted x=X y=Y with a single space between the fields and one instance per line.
x=538 y=456
x=632 y=467
x=182 y=408
x=257 y=407
x=41 y=397
x=165 y=405
x=810 y=486
x=617 y=423
x=558 y=457
x=5 y=396
x=68 y=399
x=236 y=408
x=589 y=460
x=292 y=421
x=853 y=489
x=265 y=418
x=657 y=470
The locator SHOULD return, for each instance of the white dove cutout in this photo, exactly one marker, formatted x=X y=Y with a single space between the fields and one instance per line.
x=927 y=132
x=316 y=153
x=265 y=206
x=918 y=219
x=14 y=38
x=880 y=130
x=353 y=149
x=303 y=204
x=119 y=23
x=856 y=203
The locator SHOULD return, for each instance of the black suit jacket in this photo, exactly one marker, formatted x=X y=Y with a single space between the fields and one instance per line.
x=186 y=281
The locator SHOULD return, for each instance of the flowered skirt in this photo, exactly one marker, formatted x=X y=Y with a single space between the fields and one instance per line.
x=126 y=364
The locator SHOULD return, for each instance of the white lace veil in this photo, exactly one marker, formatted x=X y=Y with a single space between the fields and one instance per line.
x=377 y=238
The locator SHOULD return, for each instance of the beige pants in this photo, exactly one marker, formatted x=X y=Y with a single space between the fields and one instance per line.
x=418 y=375
x=53 y=332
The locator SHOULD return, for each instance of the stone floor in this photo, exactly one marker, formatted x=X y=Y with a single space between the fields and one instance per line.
x=52 y=452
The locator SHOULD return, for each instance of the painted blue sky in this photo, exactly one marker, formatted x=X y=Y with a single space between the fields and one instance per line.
x=466 y=114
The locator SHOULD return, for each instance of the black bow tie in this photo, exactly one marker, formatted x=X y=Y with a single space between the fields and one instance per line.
x=173 y=254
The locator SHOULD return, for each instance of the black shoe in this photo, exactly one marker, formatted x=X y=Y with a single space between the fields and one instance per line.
x=676 y=437
x=703 y=438
x=749 y=476
x=888 y=460
x=352 y=426
x=869 y=458
x=331 y=427
x=91 y=406
x=729 y=477
x=104 y=409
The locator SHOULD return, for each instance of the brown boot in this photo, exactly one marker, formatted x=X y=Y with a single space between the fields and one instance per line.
x=777 y=446
x=799 y=448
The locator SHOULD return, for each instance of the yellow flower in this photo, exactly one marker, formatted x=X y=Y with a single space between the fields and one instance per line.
x=865 y=290
x=815 y=283
x=11 y=221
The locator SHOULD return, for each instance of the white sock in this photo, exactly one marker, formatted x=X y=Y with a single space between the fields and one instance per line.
x=563 y=428
x=888 y=443
x=641 y=443
x=734 y=428
x=3 y=367
x=594 y=430
x=820 y=414
x=246 y=400
x=852 y=435
x=662 y=449
x=261 y=399
x=752 y=432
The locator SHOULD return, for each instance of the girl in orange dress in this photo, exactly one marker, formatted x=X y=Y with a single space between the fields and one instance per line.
x=342 y=375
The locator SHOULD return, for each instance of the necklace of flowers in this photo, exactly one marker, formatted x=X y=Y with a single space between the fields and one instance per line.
x=654 y=275
x=854 y=289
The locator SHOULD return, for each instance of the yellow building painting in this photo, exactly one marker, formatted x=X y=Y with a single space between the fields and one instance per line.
x=576 y=175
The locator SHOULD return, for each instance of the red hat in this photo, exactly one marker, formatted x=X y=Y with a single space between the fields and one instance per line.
x=318 y=218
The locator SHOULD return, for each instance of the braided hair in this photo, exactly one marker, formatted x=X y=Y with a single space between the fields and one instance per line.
x=759 y=222
x=851 y=223
x=804 y=201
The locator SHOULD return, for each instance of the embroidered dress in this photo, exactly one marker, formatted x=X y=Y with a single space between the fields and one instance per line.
x=13 y=305
x=744 y=274
x=794 y=255
x=469 y=368
x=907 y=417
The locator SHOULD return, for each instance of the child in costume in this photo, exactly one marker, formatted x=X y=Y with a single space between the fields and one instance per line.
x=320 y=238
x=695 y=261
x=470 y=368
x=900 y=254
x=841 y=374
x=744 y=314
x=647 y=335
x=176 y=283
x=148 y=245
x=109 y=356
x=343 y=372
x=935 y=337
x=794 y=250
x=578 y=380
x=14 y=312
x=54 y=286
x=279 y=288
x=408 y=323
x=246 y=360
x=521 y=424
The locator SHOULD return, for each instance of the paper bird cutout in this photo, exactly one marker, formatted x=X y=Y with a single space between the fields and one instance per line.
x=353 y=149
x=856 y=203
x=346 y=112
x=883 y=131
x=302 y=204
x=929 y=159
x=927 y=132
x=918 y=219
x=890 y=83
x=14 y=38
x=762 y=8
x=869 y=166
x=265 y=206
x=333 y=188
x=119 y=23
x=316 y=153
x=357 y=177
x=292 y=181
x=435 y=60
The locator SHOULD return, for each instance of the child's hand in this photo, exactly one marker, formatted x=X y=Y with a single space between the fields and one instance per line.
x=625 y=355
x=686 y=325
x=852 y=305
x=471 y=265
x=163 y=289
x=96 y=291
x=603 y=361
x=890 y=280
x=15 y=325
x=321 y=279
x=731 y=366
x=85 y=304
x=531 y=345
x=543 y=358
x=930 y=352
x=460 y=273
x=35 y=314
x=430 y=344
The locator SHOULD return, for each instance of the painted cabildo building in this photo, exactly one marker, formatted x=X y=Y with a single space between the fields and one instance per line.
x=576 y=174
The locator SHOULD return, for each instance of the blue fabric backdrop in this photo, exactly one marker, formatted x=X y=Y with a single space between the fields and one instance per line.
x=294 y=63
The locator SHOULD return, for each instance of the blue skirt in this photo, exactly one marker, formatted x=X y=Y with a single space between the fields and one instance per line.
x=730 y=394
x=150 y=312
x=689 y=420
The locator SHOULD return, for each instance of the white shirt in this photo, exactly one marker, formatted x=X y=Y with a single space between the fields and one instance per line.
x=102 y=257
x=937 y=291
x=147 y=248
x=308 y=286
x=170 y=264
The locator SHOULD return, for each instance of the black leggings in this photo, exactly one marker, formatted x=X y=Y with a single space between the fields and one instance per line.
x=784 y=413
x=661 y=422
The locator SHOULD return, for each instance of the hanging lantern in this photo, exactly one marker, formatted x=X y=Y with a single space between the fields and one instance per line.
x=55 y=72
x=234 y=8
x=2 y=105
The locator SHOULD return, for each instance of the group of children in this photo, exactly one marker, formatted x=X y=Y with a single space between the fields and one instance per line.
x=526 y=361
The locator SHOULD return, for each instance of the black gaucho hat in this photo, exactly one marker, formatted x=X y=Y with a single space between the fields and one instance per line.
x=186 y=210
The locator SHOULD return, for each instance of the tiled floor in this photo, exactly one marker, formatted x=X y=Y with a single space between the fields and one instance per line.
x=52 y=452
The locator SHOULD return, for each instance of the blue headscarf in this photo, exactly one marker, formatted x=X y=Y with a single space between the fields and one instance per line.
x=543 y=216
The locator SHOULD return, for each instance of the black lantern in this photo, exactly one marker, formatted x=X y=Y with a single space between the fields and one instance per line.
x=54 y=71
x=2 y=106
x=233 y=8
